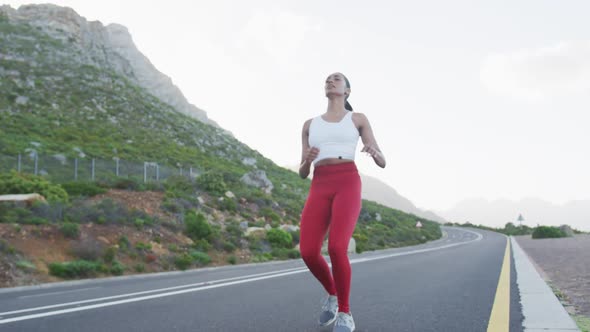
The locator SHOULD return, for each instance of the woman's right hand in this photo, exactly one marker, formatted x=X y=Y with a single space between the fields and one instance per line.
x=311 y=154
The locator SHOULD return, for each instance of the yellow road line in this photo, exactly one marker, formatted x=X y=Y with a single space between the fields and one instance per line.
x=500 y=317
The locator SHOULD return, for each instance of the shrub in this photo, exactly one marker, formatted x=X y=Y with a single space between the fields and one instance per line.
x=279 y=238
x=126 y=184
x=179 y=184
x=124 y=243
x=70 y=230
x=139 y=223
x=232 y=259
x=117 y=268
x=139 y=267
x=21 y=183
x=183 y=261
x=197 y=227
x=228 y=204
x=269 y=214
x=284 y=253
x=212 y=182
x=26 y=265
x=228 y=246
x=79 y=188
x=200 y=257
x=143 y=246
x=109 y=254
x=202 y=245
x=74 y=269
x=544 y=232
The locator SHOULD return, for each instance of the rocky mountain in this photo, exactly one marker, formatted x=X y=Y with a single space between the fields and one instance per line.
x=534 y=211
x=377 y=191
x=109 y=47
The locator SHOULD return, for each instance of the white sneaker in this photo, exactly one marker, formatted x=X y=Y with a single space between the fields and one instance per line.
x=344 y=323
x=329 y=311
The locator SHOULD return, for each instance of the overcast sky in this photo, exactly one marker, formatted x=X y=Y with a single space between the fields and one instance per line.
x=467 y=99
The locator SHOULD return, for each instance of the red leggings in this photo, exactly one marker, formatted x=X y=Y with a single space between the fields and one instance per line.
x=334 y=202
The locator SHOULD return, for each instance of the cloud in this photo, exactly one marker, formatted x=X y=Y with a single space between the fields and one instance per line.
x=276 y=33
x=537 y=74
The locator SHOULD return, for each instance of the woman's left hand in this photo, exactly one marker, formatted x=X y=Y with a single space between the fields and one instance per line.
x=374 y=152
x=371 y=150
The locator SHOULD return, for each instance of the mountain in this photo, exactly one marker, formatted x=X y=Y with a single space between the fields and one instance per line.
x=378 y=191
x=535 y=212
x=109 y=47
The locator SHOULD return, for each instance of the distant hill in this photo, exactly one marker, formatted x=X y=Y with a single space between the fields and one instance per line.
x=535 y=212
x=378 y=191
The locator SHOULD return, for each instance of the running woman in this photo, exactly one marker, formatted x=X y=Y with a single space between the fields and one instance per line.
x=329 y=142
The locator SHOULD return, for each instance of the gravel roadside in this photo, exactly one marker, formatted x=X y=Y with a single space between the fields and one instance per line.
x=565 y=264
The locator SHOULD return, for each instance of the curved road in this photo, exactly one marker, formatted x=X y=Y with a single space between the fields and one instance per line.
x=445 y=285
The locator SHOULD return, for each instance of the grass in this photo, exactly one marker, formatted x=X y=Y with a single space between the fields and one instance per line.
x=583 y=322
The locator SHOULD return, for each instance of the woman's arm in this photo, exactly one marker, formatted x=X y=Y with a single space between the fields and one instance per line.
x=308 y=154
x=370 y=143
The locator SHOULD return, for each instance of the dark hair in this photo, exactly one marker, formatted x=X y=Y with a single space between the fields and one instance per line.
x=347 y=105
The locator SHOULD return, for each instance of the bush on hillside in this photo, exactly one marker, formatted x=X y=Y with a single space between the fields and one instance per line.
x=279 y=238
x=545 y=232
x=212 y=182
x=21 y=183
x=75 y=269
x=197 y=227
x=81 y=188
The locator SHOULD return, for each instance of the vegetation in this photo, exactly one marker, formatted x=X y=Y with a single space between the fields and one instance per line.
x=509 y=229
x=544 y=232
x=539 y=232
x=21 y=183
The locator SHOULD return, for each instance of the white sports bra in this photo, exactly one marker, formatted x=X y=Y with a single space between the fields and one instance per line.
x=333 y=139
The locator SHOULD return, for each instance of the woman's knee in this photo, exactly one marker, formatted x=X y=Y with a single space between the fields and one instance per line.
x=337 y=249
x=309 y=252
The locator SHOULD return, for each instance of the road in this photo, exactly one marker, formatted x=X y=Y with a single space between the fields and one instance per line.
x=445 y=285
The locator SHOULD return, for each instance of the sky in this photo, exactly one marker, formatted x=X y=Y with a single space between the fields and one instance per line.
x=467 y=99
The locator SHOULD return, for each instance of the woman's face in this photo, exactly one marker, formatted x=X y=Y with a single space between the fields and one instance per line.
x=336 y=85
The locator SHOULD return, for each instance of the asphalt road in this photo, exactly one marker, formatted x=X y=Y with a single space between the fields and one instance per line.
x=445 y=285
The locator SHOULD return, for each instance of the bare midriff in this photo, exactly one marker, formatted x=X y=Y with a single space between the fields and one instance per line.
x=332 y=161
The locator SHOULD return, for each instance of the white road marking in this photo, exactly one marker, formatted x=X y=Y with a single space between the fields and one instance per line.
x=55 y=293
x=204 y=283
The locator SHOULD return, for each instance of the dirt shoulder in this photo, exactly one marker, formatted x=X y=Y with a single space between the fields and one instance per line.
x=565 y=264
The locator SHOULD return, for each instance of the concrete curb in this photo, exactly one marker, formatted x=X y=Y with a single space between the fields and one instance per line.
x=541 y=309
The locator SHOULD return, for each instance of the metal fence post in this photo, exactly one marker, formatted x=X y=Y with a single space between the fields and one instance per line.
x=144 y=172
x=190 y=173
x=18 y=167
x=92 y=169
x=158 y=172
x=117 y=160
x=36 y=163
x=76 y=169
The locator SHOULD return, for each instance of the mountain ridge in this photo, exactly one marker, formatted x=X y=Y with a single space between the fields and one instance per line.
x=109 y=46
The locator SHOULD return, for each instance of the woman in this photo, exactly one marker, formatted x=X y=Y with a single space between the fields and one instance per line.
x=334 y=201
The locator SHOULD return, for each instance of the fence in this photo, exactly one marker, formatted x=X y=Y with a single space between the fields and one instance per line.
x=61 y=169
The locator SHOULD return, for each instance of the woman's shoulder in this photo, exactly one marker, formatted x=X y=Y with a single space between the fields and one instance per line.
x=359 y=117
x=307 y=123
